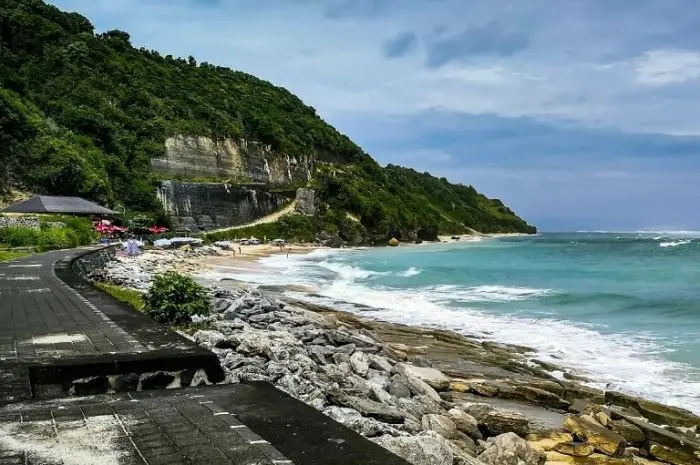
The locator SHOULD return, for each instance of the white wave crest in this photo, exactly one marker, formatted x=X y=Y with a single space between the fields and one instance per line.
x=413 y=271
x=638 y=366
x=348 y=272
x=674 y=243
x=487 y=293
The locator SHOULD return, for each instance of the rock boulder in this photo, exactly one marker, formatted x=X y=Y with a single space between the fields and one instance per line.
x=587 y=428
x=419 y=450
x=509 y=449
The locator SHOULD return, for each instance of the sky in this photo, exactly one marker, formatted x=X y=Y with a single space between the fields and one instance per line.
x=579 y=114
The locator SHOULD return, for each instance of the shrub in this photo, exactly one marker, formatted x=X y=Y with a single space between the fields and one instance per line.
x=174 y=298
x=57 y=238
x=19 y=237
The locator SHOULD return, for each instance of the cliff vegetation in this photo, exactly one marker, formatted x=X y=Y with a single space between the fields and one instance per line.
x=84 y=113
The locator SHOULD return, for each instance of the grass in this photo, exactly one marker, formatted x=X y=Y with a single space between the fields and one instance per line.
x=7 y=255
x=122 y=294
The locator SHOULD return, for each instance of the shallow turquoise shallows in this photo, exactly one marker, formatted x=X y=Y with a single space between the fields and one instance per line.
x=623 y=309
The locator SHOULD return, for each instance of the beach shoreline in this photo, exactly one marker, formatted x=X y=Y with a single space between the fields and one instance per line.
x=503 y=387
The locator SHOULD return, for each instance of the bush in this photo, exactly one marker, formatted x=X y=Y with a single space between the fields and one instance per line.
x=19 y=237
x=174 y=298
x=57 y=238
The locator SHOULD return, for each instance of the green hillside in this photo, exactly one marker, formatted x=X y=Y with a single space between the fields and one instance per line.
x=83 y=114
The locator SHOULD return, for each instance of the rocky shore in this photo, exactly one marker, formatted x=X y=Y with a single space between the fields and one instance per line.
x=433 y=397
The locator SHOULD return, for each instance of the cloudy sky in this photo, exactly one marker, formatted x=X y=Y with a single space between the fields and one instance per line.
x=580 y=114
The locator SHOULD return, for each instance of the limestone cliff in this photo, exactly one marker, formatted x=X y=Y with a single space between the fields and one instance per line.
x=203 y=206
x=238 y=160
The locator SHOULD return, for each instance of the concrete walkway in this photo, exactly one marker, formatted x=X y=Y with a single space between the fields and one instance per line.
x=56 y=328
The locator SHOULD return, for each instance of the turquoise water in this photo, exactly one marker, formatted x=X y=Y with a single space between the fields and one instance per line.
x=623 y=308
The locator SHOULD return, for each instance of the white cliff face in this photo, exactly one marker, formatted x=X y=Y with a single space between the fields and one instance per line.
x=239 y=160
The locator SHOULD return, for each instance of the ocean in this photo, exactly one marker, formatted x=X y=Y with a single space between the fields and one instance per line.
x=620 y=308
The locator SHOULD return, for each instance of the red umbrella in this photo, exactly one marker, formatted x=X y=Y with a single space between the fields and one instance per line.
x=157 y=229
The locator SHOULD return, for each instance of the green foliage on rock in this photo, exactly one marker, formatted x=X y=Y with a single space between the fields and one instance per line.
x=174 y=298
x=84 y=113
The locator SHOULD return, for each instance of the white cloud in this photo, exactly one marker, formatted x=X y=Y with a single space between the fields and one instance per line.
x=575 y=68
x=662 y=67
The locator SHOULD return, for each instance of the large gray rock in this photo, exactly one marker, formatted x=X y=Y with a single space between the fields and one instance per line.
x=509 y=449
x=478 y=410
x=211 y=339
x=379 y=363
x=441 y=424
x=367 y=427
x=359 y=363
x=430 y=376
x=398 y=387
x=378 y=394
x=340 y=357
x=418 y=387
x=273 y=345
x=419 y=450
x=465 y=423
x=367 y=407
x=506 y=421
x=419 y=406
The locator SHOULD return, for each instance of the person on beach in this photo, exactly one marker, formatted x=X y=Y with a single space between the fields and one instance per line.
x=288 y=250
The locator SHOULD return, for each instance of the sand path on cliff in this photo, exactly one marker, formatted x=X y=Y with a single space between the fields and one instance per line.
x=271 y=218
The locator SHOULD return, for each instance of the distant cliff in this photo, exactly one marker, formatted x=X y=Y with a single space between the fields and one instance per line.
x=237 y=160
x=204 y=206
x=88 y=114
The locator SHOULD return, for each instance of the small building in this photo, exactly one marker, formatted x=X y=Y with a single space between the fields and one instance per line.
x=58 y=205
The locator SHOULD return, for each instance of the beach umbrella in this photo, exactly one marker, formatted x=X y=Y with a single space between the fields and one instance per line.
x=158 y=229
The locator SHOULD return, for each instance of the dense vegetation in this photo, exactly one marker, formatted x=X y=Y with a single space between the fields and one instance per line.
x=84 y=113
x=173 y=299
x=50 y=236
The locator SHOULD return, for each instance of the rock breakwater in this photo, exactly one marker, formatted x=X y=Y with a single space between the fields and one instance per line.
x=430 y=396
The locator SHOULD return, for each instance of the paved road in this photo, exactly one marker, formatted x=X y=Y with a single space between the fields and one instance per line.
x=56 y=328
x=43 y=317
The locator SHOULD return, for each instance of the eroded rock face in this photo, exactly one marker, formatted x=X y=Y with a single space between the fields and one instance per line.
x=604 y=440
x=205 y=206
x=241 y=160
x=654 y=411
x=307 y=201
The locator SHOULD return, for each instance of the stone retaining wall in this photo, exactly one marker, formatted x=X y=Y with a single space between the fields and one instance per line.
x=19 y=222
x=94 y=260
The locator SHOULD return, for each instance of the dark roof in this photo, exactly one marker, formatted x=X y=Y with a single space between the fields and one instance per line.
x=49 y=204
